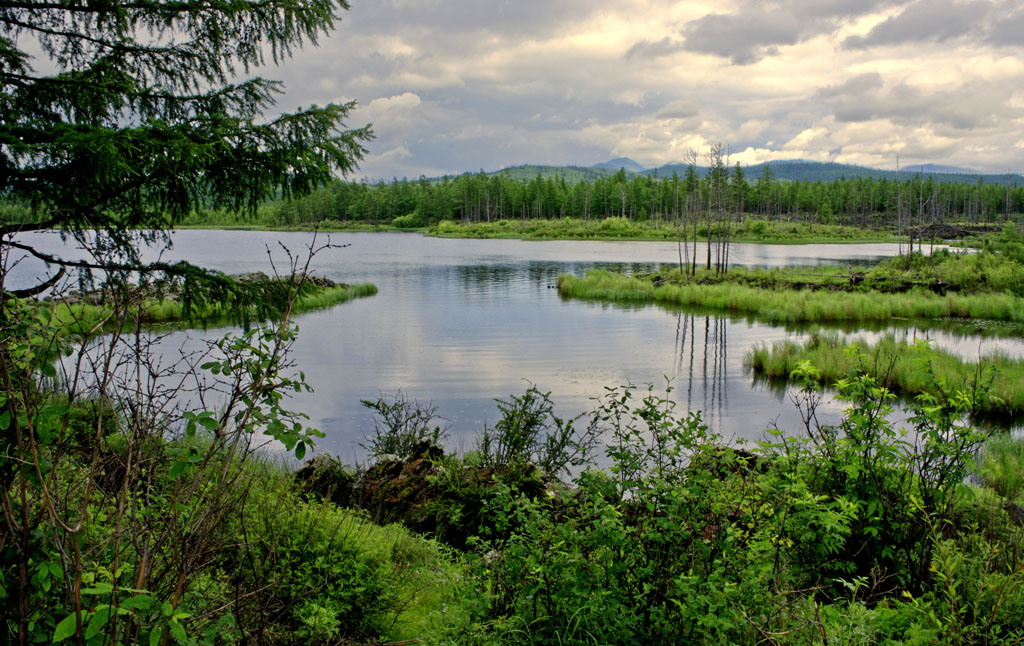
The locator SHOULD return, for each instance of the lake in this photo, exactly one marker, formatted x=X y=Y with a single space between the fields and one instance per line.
x=459 y=322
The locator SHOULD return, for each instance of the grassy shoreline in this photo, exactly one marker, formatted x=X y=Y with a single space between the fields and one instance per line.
x=327 y=226
x=617 y=228
x=607 y=229
x=794 y=305
x=905 y=369
x=80 y=317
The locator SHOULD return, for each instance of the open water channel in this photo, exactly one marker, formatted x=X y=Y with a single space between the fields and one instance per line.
x=460 y=322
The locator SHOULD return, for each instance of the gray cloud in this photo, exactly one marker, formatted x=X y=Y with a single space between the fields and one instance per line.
x=678 y=109
x=925 y=20
x=866 y=98
x=745 y=38
x=655 y=49
x=757 y=29
x=1007 y=27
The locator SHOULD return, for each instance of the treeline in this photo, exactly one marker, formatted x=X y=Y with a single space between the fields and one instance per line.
x=724 y=192
x=878 y=203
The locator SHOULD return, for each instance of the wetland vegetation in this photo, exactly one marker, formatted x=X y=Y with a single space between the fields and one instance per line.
x=906 y=369
x=165 y=304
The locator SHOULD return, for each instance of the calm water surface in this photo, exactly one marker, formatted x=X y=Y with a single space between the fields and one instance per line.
x=460 y=322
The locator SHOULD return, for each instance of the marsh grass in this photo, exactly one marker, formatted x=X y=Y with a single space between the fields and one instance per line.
x=794 y=305
x=905 y=369
x=1001 y=465
x=80 y=318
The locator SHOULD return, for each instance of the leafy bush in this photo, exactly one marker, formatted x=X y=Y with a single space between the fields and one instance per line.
x=756 y=227
x=530 y=432
x=412 y=220
x=309 y=573
x=616 y=225
x=660 y=551
x=895 y=489
x=401 y=426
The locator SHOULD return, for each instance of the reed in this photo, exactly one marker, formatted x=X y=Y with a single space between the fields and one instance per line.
x=82 y=318
x=905 y=369
x=783 y=305
x=1001 y=465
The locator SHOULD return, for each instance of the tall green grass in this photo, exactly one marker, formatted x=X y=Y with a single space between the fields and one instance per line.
x=905 y=369
x=795 y=306
x=421 y=573
x=1001 y=465
x=80 y=318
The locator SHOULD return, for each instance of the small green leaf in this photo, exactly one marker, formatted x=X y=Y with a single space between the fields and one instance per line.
x=177 y=630
x=177 y=469
x=97 y=621
x=65 y=628
x=300 y=450
x=209 y=422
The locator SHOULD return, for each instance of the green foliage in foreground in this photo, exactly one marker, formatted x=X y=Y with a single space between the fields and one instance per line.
x=852 y=534
x=285 y=570
x=619 y=228
x=849 y=534
x=793 y=306
x=79 y=318
x=904 y=368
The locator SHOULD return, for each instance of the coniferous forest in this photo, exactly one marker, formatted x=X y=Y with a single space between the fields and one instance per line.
x=913 y=201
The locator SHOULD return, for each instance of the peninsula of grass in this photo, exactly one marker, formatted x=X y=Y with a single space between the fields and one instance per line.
x=86 y=314
x=619 y=228
x=323 y=226
x=782 y=305
x=907 y=370
x=983 y=286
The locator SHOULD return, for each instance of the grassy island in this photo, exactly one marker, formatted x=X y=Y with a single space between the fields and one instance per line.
x=978 y=286
x=905 y=369
x=165 y=306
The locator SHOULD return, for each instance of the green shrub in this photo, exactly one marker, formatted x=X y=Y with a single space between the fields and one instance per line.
x=412 y=220
x=529 y=432
x=658 y=552
x=401 y=426
x=895 y=491
x=756 y=227
x=310 y=572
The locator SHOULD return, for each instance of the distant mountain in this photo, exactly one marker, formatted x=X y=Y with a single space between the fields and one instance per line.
x=939 y=168
x=793 y=170
x=621 y=163
x=571 y=174
x=796 y=170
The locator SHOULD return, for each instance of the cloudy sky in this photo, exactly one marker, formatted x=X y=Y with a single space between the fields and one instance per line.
x=456 y=85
